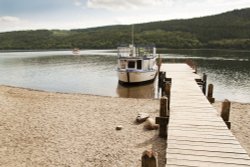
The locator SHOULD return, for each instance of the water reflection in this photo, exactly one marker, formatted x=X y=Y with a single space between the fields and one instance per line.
x=94 y=72
x=229 y=71
x=144 y=91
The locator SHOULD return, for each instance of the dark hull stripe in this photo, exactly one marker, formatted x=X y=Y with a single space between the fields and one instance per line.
x=136 y=83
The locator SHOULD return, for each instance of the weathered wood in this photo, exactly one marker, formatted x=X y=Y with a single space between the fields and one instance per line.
x=159 y=62
x=149 y=159
x=162 y=120
x=197 y=136
x=160 y=79
x=168 y=80
x=213 y=159
x=210 y=93
x=225 y=112
x=164 y=117
x=204 y=86
x=195 y=69
x=163 y=93
x=164 y=107
x=168 y=93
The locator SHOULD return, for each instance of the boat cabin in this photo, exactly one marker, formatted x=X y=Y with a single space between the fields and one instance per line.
x=140 y=58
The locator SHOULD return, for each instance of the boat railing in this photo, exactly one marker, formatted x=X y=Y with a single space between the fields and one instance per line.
x=136 y=52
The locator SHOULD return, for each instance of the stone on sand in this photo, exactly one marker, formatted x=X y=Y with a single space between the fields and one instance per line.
x=141 y=117
x=150 y=124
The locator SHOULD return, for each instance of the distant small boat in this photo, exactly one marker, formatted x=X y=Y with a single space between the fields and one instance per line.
x=136 y=65
x=76 y=51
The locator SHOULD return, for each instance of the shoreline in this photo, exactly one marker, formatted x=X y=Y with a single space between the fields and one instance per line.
x=40 y=128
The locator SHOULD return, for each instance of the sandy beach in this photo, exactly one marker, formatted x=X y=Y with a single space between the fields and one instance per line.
x=240 y=122
x=54 y=129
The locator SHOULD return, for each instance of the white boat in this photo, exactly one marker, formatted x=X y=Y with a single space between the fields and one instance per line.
x=76 y=51
x=136 y=65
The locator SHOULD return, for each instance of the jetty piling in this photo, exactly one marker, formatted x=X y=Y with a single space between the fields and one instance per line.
x=210 y=93
x=167 y=92
x=149 y=159
x=199 y=82
x=204 y=86
x=163 y=93
x=196 y=135
x=225 y=112
x=163 y=119
x=162 y=76
x=195 y=69
x=158 y=63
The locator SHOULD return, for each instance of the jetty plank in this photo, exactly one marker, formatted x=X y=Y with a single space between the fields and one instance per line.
x=197 y=135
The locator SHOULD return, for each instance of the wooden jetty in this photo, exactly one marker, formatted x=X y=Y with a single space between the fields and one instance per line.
x=197 y=135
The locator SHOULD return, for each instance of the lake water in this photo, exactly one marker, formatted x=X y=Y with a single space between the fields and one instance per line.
x=94 y=72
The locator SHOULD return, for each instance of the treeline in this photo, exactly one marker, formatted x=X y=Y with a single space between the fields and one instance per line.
x=229 y=30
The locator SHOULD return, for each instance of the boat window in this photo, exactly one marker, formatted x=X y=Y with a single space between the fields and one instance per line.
x=131 y=64
x=139 y=64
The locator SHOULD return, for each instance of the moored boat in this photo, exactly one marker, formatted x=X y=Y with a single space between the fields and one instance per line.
x=136 y=65
x=76 y=51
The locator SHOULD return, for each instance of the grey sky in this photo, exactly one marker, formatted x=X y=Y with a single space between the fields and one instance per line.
x=70 y=14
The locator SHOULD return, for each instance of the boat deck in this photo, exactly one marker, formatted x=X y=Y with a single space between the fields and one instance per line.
x=197 y=135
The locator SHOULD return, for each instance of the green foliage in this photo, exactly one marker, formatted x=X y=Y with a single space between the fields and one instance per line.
x=230 y=44
x=229 y=30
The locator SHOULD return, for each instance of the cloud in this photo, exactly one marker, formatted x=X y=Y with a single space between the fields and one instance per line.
x=77 y=3
x=9 y=23
x=8 y=19
x=122 y=4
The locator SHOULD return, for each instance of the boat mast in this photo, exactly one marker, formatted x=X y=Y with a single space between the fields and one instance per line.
x=132 y=34
x=133 y=47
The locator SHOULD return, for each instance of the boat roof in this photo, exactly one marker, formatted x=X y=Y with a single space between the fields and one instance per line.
x=138 y=45
x=137 y=58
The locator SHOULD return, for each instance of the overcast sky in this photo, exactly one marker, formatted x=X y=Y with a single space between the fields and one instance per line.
x=71 y=14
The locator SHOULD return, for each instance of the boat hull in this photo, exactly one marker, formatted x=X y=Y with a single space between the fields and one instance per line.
x=136 y=77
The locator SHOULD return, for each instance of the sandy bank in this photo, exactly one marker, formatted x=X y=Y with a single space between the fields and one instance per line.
x=54 y=129
x=240 y=122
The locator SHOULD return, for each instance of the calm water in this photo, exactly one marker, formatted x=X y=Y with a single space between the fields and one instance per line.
x=93 y=72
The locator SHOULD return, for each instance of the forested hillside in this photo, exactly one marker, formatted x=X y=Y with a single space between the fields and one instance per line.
x=229 y=30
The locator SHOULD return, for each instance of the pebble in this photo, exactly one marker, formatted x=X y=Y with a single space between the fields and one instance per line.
x=119 y=127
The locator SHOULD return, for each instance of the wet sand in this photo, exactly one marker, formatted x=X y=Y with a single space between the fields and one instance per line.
x=240 y=122
x=54 y=129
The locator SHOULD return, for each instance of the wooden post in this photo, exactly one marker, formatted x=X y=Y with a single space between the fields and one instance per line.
x=149 y=159
x=168 y=93
x=163 y=93
x=199 y=82
x=161 y=78
x=163 y=107
x=195 y=69
x=159 y=62
x=164 y=117
x=210 y=93
x=225 y=112
x=162 y=82
x=204 y=83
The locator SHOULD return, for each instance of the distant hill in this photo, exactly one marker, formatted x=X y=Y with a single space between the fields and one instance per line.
x=230 y=30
